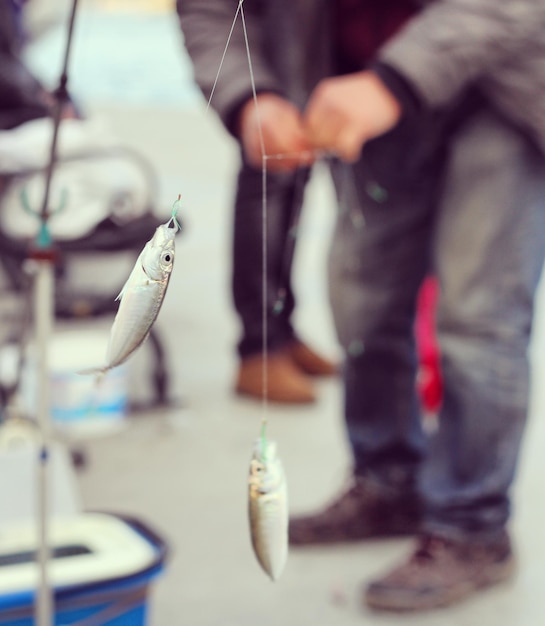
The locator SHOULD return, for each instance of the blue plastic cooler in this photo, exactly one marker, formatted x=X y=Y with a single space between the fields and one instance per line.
x=101 y=570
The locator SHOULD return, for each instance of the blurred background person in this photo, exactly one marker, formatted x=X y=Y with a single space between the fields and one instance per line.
x=22 y=96
x=446 y=99
x=290 y=362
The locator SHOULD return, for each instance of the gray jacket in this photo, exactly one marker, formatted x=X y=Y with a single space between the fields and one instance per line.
x=450 y=45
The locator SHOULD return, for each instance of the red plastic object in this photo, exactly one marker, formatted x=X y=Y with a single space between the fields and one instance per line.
x=430 y=380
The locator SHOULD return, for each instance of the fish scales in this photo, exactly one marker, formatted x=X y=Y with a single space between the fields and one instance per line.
x=138 y=310
x=268 y=509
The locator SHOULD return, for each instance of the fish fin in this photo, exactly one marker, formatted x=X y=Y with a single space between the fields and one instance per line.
x=122 y=292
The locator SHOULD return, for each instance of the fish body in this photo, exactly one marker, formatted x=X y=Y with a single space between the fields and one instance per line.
x=268 y=508
x=141 y=297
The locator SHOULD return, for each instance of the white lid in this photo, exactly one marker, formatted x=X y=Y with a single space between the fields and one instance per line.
x=116 y=550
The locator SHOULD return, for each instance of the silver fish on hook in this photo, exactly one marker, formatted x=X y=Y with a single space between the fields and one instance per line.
x=141 y=297
x=268 y=508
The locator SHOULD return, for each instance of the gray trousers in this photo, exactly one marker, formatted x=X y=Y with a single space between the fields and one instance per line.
x=465 y=200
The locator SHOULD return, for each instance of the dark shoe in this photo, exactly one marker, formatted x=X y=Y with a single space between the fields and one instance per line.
x=286 y=384
x=441 y=572
x=363 y=512
x=309 y=361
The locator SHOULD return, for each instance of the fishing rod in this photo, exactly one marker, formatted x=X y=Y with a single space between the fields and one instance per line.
x=295 y=200
x=44 y=257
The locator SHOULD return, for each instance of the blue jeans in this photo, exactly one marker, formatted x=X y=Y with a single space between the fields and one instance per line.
x=471 y=209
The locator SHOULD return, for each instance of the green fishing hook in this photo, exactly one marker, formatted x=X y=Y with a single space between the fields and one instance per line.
x=175 y=207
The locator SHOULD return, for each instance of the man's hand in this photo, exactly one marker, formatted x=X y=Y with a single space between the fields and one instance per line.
x=282 y=130
x=346 y=111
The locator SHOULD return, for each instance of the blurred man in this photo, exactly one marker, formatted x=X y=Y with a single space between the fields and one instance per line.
x=435 y=110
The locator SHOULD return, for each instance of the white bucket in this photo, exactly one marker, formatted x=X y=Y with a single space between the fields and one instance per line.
x=80 y=402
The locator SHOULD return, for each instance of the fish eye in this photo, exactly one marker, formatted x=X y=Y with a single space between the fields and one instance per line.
x=167 y=257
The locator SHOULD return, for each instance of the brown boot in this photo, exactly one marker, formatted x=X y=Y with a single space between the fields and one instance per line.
x=310 y=361
x=364 y=511
x=286 y=384
x=441 y=572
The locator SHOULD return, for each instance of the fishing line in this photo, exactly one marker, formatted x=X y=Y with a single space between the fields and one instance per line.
x=265 y=330
x=279 y=156
x=264 y=247
x=264 y=204
x=254 y=91
x=265 y=322
x=239 y=7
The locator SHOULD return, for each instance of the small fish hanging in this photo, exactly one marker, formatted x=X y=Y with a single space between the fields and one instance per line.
x=142 y=295
x=268 y=508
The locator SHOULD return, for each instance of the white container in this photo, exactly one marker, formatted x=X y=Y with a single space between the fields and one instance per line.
x=84 y=404
x=100 y=572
